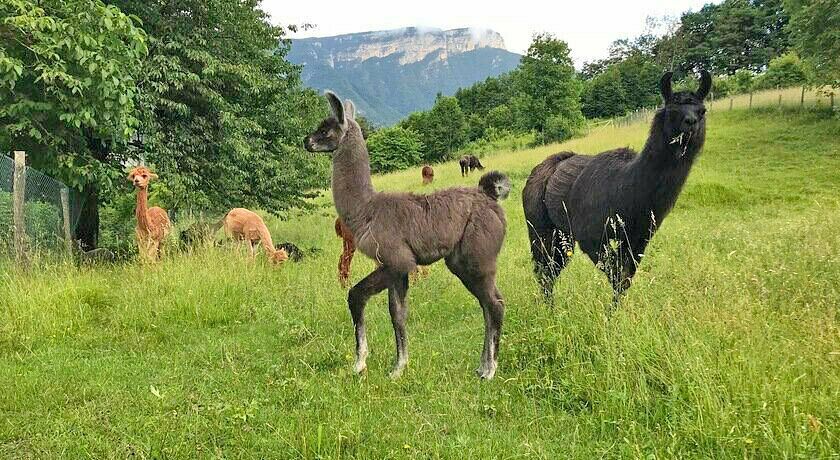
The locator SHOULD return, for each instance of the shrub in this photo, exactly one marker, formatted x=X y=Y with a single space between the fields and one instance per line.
x=785 y=71
x=394 y=148
x=558 y=129
x=43 y=222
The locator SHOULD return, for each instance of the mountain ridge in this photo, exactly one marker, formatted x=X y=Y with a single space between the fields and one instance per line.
x=391 y=73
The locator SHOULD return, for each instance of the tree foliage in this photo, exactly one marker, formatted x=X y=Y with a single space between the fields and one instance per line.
x=67 y=78
x=815 y=30
x=442 y=130
x=394 y=148
x=784 y=71
x=223 y=112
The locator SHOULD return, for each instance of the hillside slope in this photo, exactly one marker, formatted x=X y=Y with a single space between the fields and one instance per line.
x=725 y=347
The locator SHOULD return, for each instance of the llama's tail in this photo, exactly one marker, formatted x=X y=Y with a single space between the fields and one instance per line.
x=495 y=184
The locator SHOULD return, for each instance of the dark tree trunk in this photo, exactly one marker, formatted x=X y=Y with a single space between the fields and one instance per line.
x=88 y=230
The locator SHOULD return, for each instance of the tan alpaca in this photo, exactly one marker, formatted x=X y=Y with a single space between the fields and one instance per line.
x=245 y=225
x=152 y=223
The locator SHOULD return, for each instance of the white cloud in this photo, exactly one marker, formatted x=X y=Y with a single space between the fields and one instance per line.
x=587 y=26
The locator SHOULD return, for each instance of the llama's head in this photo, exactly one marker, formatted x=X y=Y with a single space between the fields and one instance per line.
x=279 y=256
x=140 y=176
x=684 y=115
x=331 y=131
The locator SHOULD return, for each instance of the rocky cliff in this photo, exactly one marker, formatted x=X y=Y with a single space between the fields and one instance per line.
x=395 y=72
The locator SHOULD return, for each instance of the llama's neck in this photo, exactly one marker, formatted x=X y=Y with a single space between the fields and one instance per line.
x=266 y=241
x=141 y=211
x=351 y=184
x=661 y=169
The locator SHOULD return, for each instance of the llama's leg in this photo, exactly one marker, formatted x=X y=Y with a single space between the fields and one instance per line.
x=398 y=307
x=359 y=294
x=494 y=311
x=620 y=278
x=550 y=257
x=483 y=287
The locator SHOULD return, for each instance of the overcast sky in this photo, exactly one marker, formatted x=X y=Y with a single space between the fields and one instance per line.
x=588 y=26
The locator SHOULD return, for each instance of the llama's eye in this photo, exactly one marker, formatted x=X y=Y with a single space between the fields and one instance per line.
x=703 y=111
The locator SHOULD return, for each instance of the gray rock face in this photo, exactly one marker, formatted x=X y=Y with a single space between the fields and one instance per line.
x=392 y=73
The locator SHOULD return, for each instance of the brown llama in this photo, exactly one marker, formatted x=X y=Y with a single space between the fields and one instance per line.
x=349 y=249
x=465 y=226
x=428 y=174
x=468 y=164
x=153 y=223
x=247 y=226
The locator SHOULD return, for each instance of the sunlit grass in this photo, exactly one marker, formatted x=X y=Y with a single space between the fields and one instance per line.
x=726 y=346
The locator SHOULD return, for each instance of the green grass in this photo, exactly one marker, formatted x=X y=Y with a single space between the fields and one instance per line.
x=726 y=346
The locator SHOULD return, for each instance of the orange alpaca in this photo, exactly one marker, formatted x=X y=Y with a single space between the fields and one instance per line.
x=343 y=232
x=245 y=225
x=152 y=223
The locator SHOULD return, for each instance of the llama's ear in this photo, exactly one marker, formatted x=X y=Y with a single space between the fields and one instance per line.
x=153 y=175
x=130 y=175
x=336 y=107
x=349 y=109
x=665 y=86
x=705 y=85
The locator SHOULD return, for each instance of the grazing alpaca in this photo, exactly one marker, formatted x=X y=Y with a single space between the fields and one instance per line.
x=93 y=256
x=152 y=223
x=613 y=202
x=245 y=225
x=347 y=252
x=469 y=163
x=465 y=226
x=428 y=174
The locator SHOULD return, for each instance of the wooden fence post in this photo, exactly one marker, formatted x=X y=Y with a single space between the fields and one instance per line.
x=730 y=103
x=750 y=99
x=831 y=99
x=19 y=190
x=780 y=100
x=65 y=212
x=802 y=98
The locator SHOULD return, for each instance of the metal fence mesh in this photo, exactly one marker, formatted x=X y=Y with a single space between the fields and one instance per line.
x=43 y=212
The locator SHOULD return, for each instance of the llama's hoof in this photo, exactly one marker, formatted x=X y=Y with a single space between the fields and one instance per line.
x=396 y=373
x=359 y=368
x=486 y=372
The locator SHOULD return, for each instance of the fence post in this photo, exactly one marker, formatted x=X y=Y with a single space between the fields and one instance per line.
x=780 y=100
x=19 y=190
x=750 y=99
x=65 y=212
x=831 y=99
x=802 y=98
x=730 y=103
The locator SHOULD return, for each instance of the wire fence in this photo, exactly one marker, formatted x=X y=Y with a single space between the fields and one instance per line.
x=42 y=218
x=782 y=98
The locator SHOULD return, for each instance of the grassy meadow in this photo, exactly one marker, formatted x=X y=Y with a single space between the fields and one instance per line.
x=726 y=346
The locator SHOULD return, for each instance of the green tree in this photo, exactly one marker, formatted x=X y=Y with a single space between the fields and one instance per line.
x=815 y=29
x=68 y=89
x=785 y=71
x=732 y=35
x=223 y=111
x=393 y=149
x=744 y=81
x=546 y=76
x=603 y=96
x=443 y=129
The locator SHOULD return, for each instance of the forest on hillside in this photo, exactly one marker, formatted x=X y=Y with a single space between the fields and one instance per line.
x=204 y=92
